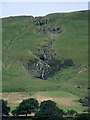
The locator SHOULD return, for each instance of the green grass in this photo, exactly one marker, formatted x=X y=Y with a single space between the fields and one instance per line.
x=57 y=94
x=20 y=39
x=75 y=107
x=64 y=100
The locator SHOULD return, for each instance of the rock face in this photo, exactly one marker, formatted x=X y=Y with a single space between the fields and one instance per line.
x=46 y=30
x=46 y=63
x=85 y=101
x=40 y=22
x=50 y=30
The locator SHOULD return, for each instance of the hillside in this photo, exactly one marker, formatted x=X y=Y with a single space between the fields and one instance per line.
x=21 y=39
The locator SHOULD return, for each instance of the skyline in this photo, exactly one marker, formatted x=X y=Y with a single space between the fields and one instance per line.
x=40 y=8
x=44 y=1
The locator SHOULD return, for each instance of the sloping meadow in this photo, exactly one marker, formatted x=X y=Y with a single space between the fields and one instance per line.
x=24 y=35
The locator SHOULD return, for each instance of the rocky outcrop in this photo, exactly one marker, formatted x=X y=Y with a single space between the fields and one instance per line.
x=46 y=30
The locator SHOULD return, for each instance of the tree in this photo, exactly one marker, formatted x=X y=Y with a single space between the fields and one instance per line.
x=49 y=111
x=83 y=116
x=5 y=107
x=27 y=106
x=47 y=104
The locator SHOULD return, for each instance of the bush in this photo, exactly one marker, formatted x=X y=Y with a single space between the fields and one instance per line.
x=68 y=62
x=83 y=116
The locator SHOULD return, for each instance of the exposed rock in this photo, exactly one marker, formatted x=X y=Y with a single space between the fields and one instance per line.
x=85 y=101
x=50 y=30
x=40 y=22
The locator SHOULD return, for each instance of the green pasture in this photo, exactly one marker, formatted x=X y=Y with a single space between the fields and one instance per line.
x=21 y=40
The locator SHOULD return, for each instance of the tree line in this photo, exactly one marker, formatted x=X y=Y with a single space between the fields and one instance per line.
x=46 y=110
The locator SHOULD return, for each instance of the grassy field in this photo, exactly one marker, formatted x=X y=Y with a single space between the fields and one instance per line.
x=20 y=39
x=64 y=100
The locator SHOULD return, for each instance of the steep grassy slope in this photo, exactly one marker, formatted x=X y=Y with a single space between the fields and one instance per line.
x=21 y=39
